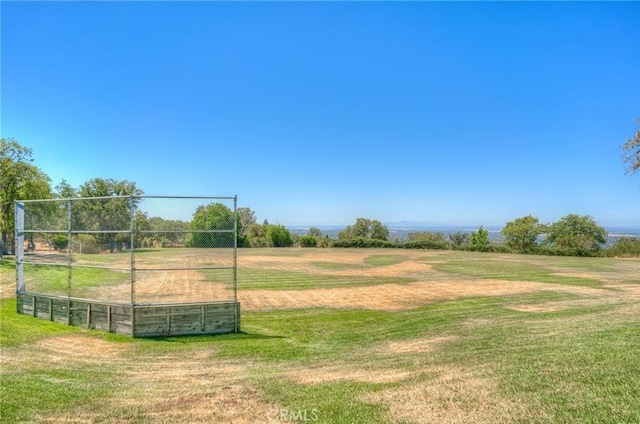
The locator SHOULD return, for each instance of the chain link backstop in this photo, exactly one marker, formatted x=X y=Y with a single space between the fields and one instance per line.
x=161 y=259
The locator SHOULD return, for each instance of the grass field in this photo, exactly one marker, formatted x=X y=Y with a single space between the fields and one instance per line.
x=362 y=336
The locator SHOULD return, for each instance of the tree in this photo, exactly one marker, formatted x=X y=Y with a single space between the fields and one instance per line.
x=366 y=229
x=279 y=236
x=580 y=233
x=632 y=152
x=379 y=231
x=168 y=232
x=480 y=237
x=523 y=233
x=107 y=214
x=211 y=225
x=247 y=218
x=314 y=232
x=19 y=180
x=459 y=238
x=65 y=190
x=257 y=235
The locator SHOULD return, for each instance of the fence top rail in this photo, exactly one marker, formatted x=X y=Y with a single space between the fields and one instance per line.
x=137 y=196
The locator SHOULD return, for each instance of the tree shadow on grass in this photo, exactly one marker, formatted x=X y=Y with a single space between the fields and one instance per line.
x=229 y=337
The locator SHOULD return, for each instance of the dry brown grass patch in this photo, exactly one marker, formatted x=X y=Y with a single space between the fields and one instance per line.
x=384 y=297
x=417 y=345
x=174 y=389
x=332 y=373
x=61 y=350
x=451 y=396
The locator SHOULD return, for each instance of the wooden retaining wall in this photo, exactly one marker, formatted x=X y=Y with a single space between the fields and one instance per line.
x=134 y=320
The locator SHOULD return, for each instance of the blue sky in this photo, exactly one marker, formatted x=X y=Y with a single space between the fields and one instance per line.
x=321 y=112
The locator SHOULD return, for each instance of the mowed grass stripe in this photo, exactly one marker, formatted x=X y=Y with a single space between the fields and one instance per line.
x=271 y=279
x=512 y=271
x=385 y=260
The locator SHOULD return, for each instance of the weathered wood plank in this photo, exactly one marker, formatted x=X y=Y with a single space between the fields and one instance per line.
x=140 y=321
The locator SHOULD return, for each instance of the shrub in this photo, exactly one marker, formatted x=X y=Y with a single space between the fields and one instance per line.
x=325 y=242
x=60 y=241
x=364 y=243
x=279 y=236
x=625 y=246
x=86 y=243
x=426 y=244
x=308 y=241
x=490 y=248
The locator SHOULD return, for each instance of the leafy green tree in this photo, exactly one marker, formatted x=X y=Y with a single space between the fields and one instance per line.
x=365 y=228
x=632 y=152
x=257 y=236
x=168 y=232
x=142 y=237
x=109 y=213
x=459 y=238
x=65 y=190
x=211 y=225
x=19 y=180
x=480 y=237
x=523 y=233
x=314 y=232
x=379 y=231
x=279 y=236
x=580 y=233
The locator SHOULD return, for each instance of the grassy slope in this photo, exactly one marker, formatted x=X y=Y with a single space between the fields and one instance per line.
x=576 y=365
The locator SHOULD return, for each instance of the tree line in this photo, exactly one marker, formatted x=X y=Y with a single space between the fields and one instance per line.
x=20 y=179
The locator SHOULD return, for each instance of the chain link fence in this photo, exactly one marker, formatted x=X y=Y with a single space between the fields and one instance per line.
x=128 y=249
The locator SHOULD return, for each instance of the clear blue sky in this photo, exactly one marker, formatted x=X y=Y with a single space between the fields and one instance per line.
x=322 y=112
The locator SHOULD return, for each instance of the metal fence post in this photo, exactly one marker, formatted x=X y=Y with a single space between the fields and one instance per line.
x=69 y=248
x=133 y=257
x=235 y=261
x=19 y=240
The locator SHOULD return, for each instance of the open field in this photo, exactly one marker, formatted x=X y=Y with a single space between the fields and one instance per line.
x=363 y=336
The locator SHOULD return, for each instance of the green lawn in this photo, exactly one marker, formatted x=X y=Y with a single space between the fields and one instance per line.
x=511 y=270
x=291 y=280
x=461 y=360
